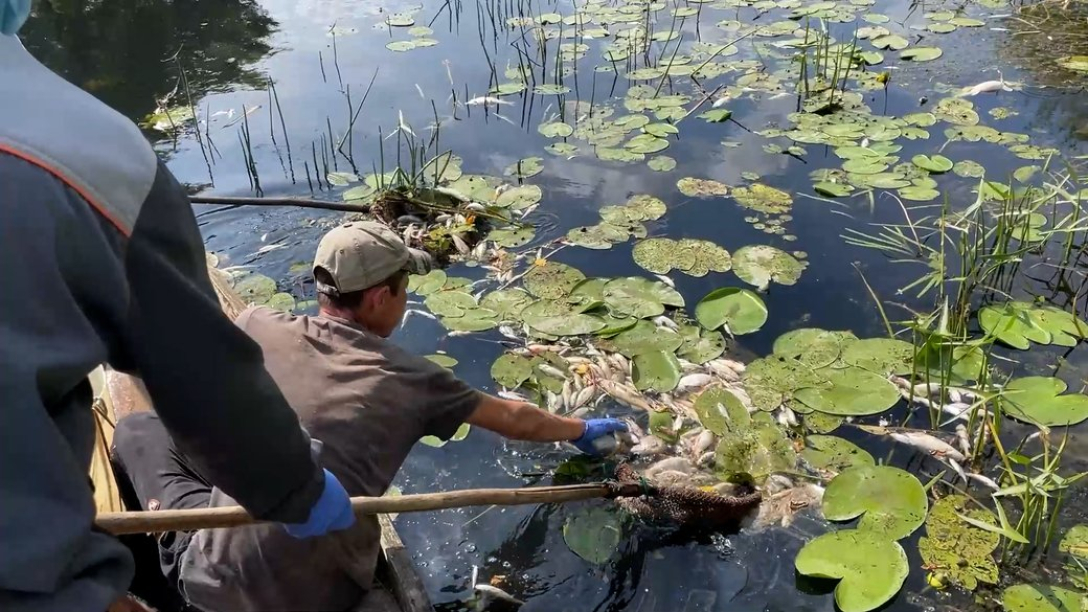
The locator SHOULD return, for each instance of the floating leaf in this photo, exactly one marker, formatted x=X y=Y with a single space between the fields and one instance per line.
x=566 y=325
x=763 y=198
x=1041 y=598
x=811 y=346
x=834 y=454
x=552 y=280
x=890 y=41
x=449 y=303
x=594 y=533
x=832 y=190
x=936 y=163
x=471 y=321
x=759 y=265
x=1039 y=400
x=645 y=336
x=880 y=355
x=511 y=370
x=1078 y=63
x=551 y=89
x=341 y=179
x=639 y=297
x=871 y=569
x=717 y=115
x=738 y=311
x=443 y=360
x=661 y=163
x=756 y=446
x=283 y=302
x=956 y=549
x=525 y=168
x=921 y=54
x=646 y=143
x=655 y=371
x=507 y=303
x=564 y=149
x=918 y=194
x=852 y=392
x=691 y=256
x=720 y=410
x=701 y=188
x=400 y=46
x=969 y=169
x=555 y=129
x=512 y=237
x=1014 y=323
x=517 y=198
x=436 y=442
x=891 y=502
x=255 y=288
x=506 y=89
x=700 y=345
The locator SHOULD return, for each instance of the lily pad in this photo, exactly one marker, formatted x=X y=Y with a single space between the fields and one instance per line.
x=716 y=115
x=639 y=297
x=691 y=256
x=700 y=345
x=644 y=207
x=871 y=569
x=720 y=411
x=507 y=303
x=1041 y=598
x=508 y=88
x=449 y=303
x=661 y=163
x=443 y=360
x=736 y=310
x=284 y=302
x=1078 y=63
x=644 y=337
x=1014 y=323
x=935 y=163
x=763 y=198
x=646 y=143
x=890 y=41
x=955 y=549
x=880 y=355
x=891 y=502
x=655 y=371
x=525 y=168
x=759 y=265
x=852 y=392
x=255 y=288
x=811 y=346
x=593 y=534
x=834 y=454
x=566 y=325
x=552 y=280
x=756 y=446
x=1039 y=400
x=471 y=321
x=921 y=54
x=512 y=237
x=701 y=188
x=555 y=129
x=436 y=442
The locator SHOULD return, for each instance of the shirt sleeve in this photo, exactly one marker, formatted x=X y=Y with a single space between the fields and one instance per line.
x=446 y=401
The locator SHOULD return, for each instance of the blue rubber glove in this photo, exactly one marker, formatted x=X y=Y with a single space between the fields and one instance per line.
x=332 y=512
x=596 y=429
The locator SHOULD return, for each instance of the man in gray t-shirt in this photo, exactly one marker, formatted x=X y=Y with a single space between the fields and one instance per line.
x=366 y=400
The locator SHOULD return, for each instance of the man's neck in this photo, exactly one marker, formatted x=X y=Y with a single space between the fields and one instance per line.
x=344 y=314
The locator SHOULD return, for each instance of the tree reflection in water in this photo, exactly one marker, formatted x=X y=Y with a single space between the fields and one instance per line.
x=123 y=51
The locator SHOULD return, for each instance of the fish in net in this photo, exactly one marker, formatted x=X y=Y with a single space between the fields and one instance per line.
x=681 y=502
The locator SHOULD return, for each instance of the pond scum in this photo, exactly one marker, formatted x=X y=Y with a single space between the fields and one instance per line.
x=946 y=381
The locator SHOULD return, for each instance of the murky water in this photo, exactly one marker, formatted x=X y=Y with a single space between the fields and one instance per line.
x=132 y=53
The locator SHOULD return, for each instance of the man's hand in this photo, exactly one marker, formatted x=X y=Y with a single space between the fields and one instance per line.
x=595 y=430
x=332 y=512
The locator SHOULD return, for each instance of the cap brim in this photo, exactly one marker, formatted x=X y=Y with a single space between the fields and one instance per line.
x=419 y=262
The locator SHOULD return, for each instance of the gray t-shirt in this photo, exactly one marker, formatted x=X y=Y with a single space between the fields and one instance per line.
x=368 y=402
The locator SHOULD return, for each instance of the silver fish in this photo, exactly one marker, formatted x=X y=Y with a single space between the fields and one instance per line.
x=485 y=100
x=928 y=443
x=703 y=443
x=551 y=370
x=663 y=321
x=584 y=396
x=475 y=206
x=964 y=441
x=987 y=482
x=405 y=219
x=624 y=394
x=665 y=279
x=649 y=446
x=512 y=396
x=693 y=381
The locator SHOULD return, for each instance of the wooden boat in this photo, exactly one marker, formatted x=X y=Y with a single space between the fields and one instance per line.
x=118 y=395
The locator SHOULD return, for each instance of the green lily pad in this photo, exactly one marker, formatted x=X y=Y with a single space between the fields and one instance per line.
x=644 y=207
x=880 y=355
x=871 y=569
x=555 y=129
x=552 y=280
x=691 y=256
x=255 y=288
x=700 y=345
x=921 y=54
x=601 y=236
x=644 y=337
x=436 y=442
x=956 y=111
x=655 y=370
x=918 y=194
x=284 y=302
x=891 y=502
x=701 y=188
x=566 y=325
x=508 y=303
x=508 y=88
x=1075 y=545
x=738 y=311
x=428 y=283
x=341 y=179
x=661 y=163
x=639 y=297
x=1013 y=323
x=820 y=423
x=525 y=168
x=890 y=41
x=360 y=192
x=935 y=164
x=551 y=89
x=1041 y=598
x=770 y=381
x=834 y=454
x=764 y=199
x=811 y=346
x=562 y=149
x=594 y=533
x=832 y=190
x=956 y=549
x=720 y=411
x=401 y=46
x=759 y=265
x=646 y=143
x=512 y=237
x=756 y=446
x=449 y=303
x=471 y=321
x=716 y=115
x=443 y=360
x=1039 y=400
x=852 y=392
x=969 y=169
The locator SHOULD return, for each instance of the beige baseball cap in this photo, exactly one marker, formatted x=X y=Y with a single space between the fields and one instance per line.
x=361 y=254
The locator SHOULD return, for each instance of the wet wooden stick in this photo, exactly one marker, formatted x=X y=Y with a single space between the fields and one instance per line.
x=300 y=202
x=121 y=523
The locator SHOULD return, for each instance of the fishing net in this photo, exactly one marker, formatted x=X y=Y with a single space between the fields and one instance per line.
x=686 y=505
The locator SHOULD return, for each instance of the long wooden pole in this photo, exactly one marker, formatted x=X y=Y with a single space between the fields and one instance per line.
x=300 y=202
x=121 y=523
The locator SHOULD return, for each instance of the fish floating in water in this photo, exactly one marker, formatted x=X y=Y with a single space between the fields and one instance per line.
x=485 y=100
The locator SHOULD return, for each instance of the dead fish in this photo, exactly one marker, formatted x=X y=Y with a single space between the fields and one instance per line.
x=964 y=441
x=414 y=311
x=987 y=482
x=777 y=483
x=703 y=442
x=663 y=321
x=986 y=87
x=786 y=417
x=484 y=100
x=706 y=459
x=665 y=279
x=670 y=464
x=508 y=332
x=722 y=101
x=552 y=401
x=567 y=394
x=493 y=599
x=475 y=206
x=624 y=394
x=687 y=367
x=780 y=508
x=693 y=381
x=649 y=446
x=512 y=396
x=950 y=462
x=928 y=443
x=408 y=219
x=551 y=370
x=442 y=218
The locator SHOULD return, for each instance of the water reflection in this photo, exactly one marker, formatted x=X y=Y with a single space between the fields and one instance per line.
x=127 y=52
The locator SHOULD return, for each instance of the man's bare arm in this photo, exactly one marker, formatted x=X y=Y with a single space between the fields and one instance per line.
x=524 y=421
